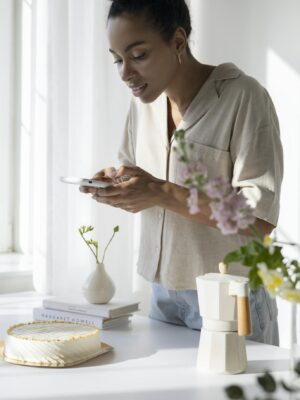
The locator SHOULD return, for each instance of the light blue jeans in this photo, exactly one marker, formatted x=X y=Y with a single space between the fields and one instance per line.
x=180 y=307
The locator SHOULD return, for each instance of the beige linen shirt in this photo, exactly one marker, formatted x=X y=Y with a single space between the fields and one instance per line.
x=234 y=129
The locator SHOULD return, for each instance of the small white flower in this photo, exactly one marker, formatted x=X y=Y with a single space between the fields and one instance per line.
x=290 y=295
x=272 y=280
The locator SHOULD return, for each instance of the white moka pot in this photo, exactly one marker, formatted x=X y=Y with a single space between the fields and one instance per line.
x=98 y=287
x=225 y=310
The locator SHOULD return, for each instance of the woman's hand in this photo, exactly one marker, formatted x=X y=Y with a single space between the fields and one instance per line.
x=105 y=175
x=137 y=193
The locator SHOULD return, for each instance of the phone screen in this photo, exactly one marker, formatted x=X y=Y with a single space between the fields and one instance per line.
x=85 y=182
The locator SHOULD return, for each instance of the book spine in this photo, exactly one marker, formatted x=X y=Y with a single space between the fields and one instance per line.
x=41 y=314
x=76 y=309
x=101 y=312
x=115 y=322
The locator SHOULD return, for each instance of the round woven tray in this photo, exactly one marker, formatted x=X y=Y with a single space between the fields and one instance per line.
x=103 y=348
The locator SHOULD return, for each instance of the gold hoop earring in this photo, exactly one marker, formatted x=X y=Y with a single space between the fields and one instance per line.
x=179 y=58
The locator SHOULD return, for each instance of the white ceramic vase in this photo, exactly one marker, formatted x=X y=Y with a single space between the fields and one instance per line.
x=98 y=287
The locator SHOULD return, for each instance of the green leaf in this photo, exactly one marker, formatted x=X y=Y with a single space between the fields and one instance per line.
x=188 y=181
x=249 y=260
x=267 y=382
x=234 y=256
x=255 y=247
x=234 y=392
x=296 y=263
x=200 y=181
x=289 y=388
x=297 y=368
x=116 y=228
x=254 y=280
x=82 y=229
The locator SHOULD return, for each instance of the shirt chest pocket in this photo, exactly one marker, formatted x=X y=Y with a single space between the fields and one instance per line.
x=218 y=162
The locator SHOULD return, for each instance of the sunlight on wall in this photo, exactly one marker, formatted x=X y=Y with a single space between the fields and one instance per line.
x=23 y=242
x=284 y=84
x=39 y=172
x=32 y=215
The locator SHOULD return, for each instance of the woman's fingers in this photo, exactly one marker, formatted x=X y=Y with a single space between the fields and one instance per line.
x=127 y=171
x=109 y=172
x=118 y=202
x=114 y=201
x=87 y=189
x=130 y=190
x=105 y=175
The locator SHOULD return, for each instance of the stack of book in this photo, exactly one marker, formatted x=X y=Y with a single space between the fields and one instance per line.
x=103 y=316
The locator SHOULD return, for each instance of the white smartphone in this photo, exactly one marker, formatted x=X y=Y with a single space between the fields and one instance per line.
x=85 y=182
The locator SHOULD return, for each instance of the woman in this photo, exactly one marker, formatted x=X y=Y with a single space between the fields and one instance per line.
x=232 y=123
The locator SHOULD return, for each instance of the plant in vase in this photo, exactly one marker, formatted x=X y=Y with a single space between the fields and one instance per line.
x=98 y=287
x=230 y=209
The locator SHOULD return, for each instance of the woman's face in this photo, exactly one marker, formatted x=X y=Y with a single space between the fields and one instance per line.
x=145 y=62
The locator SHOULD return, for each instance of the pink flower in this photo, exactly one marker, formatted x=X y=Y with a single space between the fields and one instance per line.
x=217 y=188
x=232 y=213
x=229 y=209
x=193 y=201
x=195 y=173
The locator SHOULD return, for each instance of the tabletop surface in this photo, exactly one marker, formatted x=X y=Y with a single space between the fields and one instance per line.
x=150 y=360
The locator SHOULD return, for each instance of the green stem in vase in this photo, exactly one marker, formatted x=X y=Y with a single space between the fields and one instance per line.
x=82 y=230
x=116 y=229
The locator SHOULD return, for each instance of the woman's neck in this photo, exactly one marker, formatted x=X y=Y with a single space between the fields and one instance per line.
x=190 y=78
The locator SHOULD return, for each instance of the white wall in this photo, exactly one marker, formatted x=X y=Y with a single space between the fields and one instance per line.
x=262 y=38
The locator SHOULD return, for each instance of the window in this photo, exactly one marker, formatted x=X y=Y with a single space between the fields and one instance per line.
x=6 y=126
x=23 y=120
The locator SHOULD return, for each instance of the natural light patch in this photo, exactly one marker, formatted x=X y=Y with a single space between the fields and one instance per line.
x=24 y=192
x=24 y=187
x=39 y=192
x=26 y=65
x=33 y=135
x=283 y=82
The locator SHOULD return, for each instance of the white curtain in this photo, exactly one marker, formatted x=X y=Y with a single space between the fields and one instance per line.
x=86 y=111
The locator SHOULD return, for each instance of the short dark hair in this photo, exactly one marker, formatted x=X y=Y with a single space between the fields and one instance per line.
x=163 y=15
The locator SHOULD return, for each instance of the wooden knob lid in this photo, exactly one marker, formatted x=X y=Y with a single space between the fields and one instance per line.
x=223 y=268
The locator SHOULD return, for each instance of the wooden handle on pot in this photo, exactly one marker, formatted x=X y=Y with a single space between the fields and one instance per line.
x=243 y=314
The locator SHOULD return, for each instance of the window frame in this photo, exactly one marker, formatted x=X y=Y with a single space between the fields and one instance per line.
x=15 y=262
x=7 y=124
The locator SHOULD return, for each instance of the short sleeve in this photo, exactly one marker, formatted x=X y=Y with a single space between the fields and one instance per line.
x=257 y=154
x=126 y=154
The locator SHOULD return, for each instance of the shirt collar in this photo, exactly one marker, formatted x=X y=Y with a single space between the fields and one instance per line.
x=225 y=71
x=207 y=95
x=202 y=102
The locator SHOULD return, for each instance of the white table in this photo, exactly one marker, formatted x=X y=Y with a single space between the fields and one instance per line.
x=151 y=360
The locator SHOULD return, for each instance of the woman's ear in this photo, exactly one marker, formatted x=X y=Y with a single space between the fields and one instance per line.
x=179 y=40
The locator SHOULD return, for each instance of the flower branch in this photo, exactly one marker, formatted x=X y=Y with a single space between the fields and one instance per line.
x=232 y=213
x=93 y=244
